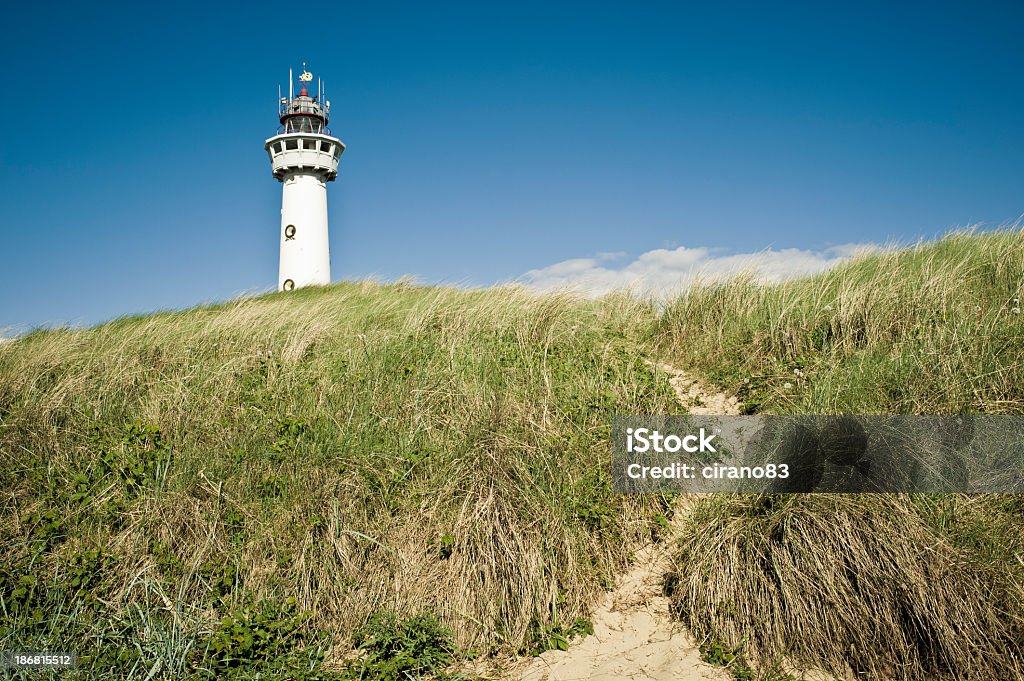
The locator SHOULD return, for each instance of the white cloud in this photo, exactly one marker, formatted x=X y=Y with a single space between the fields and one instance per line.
x=663 y=271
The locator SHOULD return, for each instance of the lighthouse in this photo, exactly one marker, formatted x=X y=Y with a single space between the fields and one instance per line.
x=304 y=156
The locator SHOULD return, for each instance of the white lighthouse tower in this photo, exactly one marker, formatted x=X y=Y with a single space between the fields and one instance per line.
x=305 y=157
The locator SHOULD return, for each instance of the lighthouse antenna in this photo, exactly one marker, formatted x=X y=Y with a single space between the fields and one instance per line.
x=291 y=89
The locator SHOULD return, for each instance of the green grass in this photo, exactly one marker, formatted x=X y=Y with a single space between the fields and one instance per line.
x=908 y=587
x=353 y=450
x=934 y=329
x=391 y=474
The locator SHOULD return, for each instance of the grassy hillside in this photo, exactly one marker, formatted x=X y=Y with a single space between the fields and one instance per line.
x=422 y=474
x=298 y=464
x=935 y=329
x=909 y=587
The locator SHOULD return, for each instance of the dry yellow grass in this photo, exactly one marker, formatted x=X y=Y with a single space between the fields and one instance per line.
x=359 y=448
x=892 y=587
x=363 y=448
x=857 y=584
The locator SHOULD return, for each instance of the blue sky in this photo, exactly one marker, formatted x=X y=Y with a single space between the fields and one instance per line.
x=489 y=140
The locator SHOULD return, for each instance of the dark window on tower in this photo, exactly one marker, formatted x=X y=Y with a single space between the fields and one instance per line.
x=308 y=144
x=325 y=146
x=277 y=147
x=291 y=144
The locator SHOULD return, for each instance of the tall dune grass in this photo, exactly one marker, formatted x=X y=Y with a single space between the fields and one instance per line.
x=193 y=492
x=359 y=449
x=922 y=587
x=934 y=329
x=854 y=584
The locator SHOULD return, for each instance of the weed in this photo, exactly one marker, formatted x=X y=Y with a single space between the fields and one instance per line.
x=660 y=527
x=270 y=637
x=446 y=545
x=717 y=653
x=556 y=636
x=396 y=649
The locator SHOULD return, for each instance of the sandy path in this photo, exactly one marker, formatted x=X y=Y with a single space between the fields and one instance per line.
x=635 y=636
x=692 y=395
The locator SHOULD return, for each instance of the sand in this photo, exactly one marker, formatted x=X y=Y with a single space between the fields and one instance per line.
x=694 y=397
x=635 y=637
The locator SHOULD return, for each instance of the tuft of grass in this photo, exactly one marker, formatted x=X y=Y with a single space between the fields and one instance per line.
x=847 y=582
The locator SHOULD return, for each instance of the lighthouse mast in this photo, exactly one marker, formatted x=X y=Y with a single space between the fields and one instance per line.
x=304 y=157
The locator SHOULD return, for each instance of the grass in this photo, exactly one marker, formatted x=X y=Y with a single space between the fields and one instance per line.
x=934 y=329
x=907 y=587
x=850 y=583
x=368 y=479
x=351 y=451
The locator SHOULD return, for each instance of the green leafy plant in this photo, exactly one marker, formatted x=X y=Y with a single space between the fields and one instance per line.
x=556 y=636
x=289 y=430
x=138 y=455
x=271 y=638
x=660 y=527
x=446 y=545
x=717 y=653
x=396 y=649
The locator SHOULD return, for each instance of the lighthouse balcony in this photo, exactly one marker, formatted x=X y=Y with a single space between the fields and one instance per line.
x=304 y=152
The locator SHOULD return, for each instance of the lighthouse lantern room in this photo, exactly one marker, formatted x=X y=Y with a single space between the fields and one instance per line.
x=304 y=156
